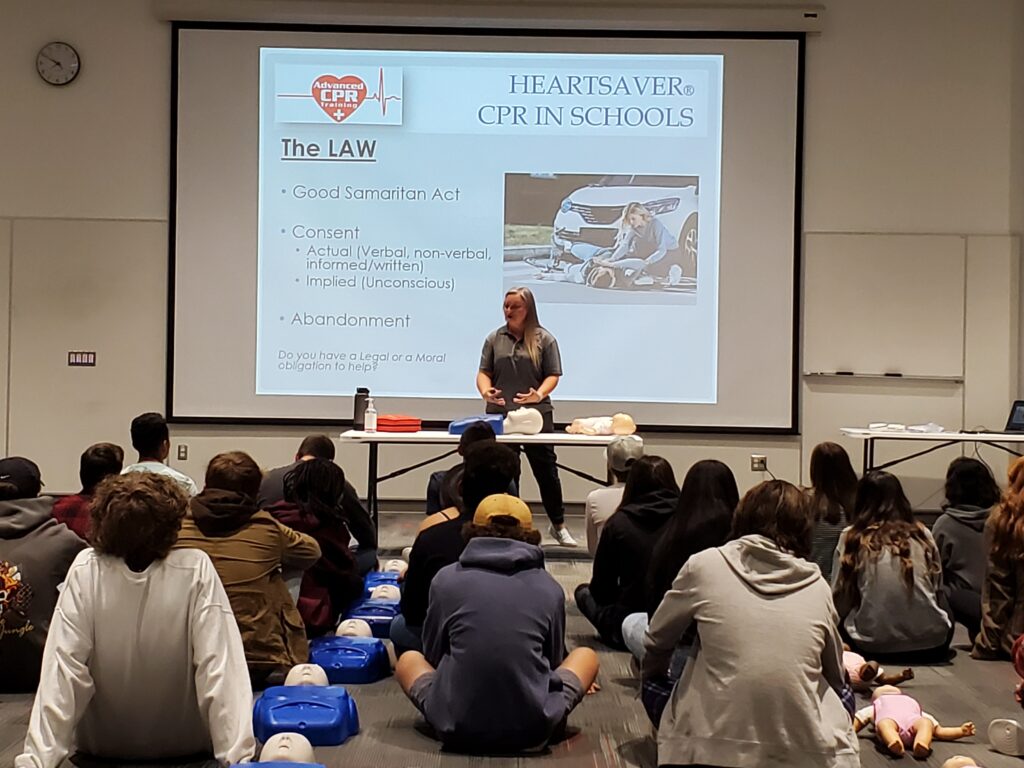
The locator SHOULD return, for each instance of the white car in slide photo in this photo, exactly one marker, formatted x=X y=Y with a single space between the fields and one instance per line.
x=589 y=216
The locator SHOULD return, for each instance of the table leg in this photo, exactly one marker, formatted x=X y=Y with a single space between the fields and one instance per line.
x=371 y=487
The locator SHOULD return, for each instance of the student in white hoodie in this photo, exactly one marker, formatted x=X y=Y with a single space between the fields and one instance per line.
x=763 y=688
x=143 y=660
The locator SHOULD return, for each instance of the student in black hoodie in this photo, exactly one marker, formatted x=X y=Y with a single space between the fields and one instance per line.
x=35 y=554
x=618 y=585
x=959 y=533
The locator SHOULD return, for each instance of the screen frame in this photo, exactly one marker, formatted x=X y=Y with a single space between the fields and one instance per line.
x=446 y=29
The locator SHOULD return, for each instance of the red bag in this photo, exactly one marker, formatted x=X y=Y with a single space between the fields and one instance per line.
x=396 y=422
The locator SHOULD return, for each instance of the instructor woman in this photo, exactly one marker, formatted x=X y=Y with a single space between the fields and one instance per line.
x=520 y=366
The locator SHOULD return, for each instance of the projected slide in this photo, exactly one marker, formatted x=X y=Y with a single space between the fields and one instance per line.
x=401 y=193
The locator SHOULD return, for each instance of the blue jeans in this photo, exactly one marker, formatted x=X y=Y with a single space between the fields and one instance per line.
x=404 y=637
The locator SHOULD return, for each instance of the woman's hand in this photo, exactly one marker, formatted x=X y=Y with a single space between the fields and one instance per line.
x=523 y=398
x=493 y=396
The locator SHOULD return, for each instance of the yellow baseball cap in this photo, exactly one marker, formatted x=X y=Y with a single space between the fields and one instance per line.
x=502 y=504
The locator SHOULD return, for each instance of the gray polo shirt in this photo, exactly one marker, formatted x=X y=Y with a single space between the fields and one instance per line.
x=512 y=371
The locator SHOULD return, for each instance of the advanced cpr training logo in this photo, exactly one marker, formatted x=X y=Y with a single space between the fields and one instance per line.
x=15 y=596
x=355 y=95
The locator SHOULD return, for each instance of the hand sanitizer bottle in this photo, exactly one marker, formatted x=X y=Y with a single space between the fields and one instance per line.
x=370 y=417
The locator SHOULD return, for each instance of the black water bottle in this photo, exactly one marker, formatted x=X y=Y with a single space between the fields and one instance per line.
x=359 y=408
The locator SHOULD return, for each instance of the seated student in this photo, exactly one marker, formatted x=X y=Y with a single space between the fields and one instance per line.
x=97 y=462
x=494 y=676
x=358 y=520
x=832 y=493
x=701 y=520
x=887 y=577
x=35 y=554
x=313 y=491
x=151 y=438
x=618 y=585
x=249 y=548
x=489 y=468
x=444 y=495
x=620 y=454
x=959 y=533
x=763 y=689
x=144 y=660
x=1002 y=596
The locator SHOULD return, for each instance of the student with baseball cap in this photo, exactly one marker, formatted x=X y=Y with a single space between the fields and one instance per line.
x=35 y=554
x=494 y=676
x=621 y=452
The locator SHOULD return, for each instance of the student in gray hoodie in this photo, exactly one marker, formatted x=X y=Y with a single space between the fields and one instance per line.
x=971 y=493
x=35 y=554
x=762 y=690
x=887 y=578
x=494 y=677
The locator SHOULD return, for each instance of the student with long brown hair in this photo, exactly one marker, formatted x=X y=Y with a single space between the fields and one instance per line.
x=832 y=493
x=520 y=366
x=1002 y=594
x=887 y=577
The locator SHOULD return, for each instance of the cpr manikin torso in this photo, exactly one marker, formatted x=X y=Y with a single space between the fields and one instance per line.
x=288 y=747
x=306 y=674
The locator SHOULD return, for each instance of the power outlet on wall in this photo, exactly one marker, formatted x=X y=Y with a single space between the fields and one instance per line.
x=182 y=452
x=758 y=463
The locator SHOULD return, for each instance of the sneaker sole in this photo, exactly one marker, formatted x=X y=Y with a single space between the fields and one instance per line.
x=1007 y=737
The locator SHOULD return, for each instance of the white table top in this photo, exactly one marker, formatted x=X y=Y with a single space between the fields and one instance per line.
x=439 y=437
x=943 y=437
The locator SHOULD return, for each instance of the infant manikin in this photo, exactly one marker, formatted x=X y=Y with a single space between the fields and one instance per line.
x=395 y=566
x=863 y=672
x=523 y=421
x=306 y=674
x=619 y=424
x=959 y=761
x=385 y=592
x=288 y=748
x=900 y=723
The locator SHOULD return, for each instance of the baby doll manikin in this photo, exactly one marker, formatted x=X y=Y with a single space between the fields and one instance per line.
x=287 y=748
x=619 y=424
x=306 y=674
x=863 y=672
x=899 y=723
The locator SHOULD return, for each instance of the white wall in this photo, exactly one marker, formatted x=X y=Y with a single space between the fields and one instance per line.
x=914 y=119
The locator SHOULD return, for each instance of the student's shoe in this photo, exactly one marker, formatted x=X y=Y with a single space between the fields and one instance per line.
x=562 y=536
x=1006 y=736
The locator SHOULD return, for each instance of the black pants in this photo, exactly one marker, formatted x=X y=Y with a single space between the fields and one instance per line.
x=607 y=620
x=542 y=461
x=966 y=606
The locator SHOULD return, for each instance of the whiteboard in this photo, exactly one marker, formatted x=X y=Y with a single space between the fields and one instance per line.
x=878 y=304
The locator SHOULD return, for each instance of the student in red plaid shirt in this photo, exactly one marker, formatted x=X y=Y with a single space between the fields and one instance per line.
x=98 y=461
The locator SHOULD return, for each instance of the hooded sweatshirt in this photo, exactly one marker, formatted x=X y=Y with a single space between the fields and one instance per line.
x=624 y=553
x=249 y=548
x=960 y=536
x=762 y=689
x=495 y=633
x=35 y=554
x=890 y=618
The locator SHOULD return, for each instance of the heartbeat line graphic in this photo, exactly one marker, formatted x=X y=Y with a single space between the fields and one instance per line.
x=378 y=96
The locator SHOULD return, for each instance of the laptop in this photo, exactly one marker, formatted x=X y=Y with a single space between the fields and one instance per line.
x=1015 y=421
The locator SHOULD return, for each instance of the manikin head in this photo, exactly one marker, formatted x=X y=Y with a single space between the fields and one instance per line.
x=959 y=761
x=885 y=690
x=385 y=592
x=287 y=748
x=623 y=424
x=354 y=628
x=306 y=674
x=395 y=566
x=523 y=421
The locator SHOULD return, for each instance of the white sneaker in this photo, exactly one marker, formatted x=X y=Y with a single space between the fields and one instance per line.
x=562 y=536
x=1006 y=736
